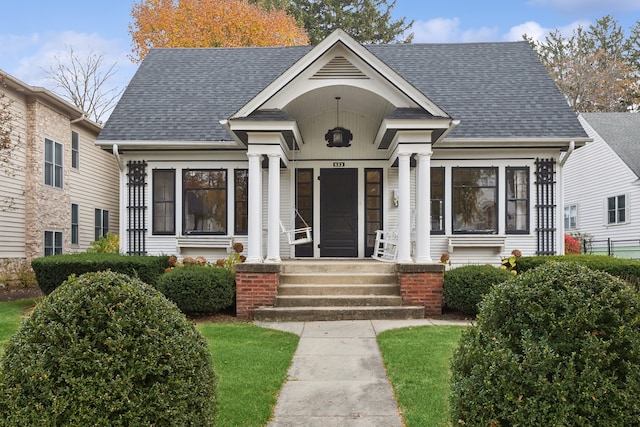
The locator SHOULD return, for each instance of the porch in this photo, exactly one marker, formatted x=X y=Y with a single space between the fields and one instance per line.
x=338 y=289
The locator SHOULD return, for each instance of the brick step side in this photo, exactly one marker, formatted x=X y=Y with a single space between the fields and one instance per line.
x=306 y=314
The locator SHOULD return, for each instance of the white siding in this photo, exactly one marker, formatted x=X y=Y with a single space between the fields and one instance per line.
x=592 y=174
x=94 y=185
x=12 y=185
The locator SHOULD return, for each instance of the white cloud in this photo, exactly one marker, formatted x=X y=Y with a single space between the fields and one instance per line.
x=585 y=5
x=33 y=67
x=447 y=30
x=538 y=32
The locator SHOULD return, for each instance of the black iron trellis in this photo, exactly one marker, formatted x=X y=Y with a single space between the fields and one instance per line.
x=136 y=208
x=546 y=206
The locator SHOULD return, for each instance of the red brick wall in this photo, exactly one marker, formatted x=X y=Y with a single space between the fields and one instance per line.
x=421 y=284
x=256 y=286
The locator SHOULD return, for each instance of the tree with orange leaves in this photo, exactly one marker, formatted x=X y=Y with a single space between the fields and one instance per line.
x=209 y=23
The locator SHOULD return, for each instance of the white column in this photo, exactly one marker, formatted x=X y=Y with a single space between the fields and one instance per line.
x=404 y=209
x=423 y=209
x=273 y=242
x=254 y=242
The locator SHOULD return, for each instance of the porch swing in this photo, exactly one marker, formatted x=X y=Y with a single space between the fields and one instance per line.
x=301 y=235
x=298 y=236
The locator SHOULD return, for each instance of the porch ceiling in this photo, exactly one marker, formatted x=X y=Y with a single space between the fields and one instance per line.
x=352 y=99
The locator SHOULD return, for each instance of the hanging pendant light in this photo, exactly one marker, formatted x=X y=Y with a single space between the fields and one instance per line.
x=338 y=136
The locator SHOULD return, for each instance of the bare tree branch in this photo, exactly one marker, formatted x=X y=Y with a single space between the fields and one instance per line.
x=84 y=82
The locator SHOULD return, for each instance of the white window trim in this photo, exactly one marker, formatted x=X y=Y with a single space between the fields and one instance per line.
x=626 y=210
x=569 y=206
x=53 y=163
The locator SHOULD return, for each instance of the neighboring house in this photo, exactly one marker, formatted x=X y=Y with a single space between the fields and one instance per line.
x=602 y=186
x=59 y=190
x=457 y=147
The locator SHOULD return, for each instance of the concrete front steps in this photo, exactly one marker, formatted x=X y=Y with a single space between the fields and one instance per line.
x=337 y=290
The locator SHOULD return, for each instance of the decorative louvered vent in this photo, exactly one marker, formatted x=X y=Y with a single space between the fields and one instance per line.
x=339 y=68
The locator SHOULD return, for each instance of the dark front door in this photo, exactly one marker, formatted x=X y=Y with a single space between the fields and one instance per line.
x=338 y=212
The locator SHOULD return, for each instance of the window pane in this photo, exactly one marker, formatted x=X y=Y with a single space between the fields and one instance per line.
x=75 y=147
x=517 y=216
x=437 y=199
x=57 y=242
x=97 y=224
x=48 y=150
x=242 y=197
x=58 y=177
x=105 y=222
x=58 y=160
x=74 y=224
x=205 y=201
x=164 y=201
x=48 y=243
x=475 y=200
x=48 y=174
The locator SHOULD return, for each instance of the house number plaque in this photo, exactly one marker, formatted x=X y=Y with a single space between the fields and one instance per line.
x=338 y=164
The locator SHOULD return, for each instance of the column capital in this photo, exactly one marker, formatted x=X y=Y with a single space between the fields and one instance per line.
x=250 y=155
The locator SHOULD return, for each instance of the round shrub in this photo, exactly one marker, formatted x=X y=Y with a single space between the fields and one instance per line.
x=198 y=290
x=464 y=287
x=558 y=345
x=107 y=350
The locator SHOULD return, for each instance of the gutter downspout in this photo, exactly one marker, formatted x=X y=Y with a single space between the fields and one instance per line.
x=572 y=146
x=79 y=119
x=116 y=154
x=121 y=200
x=560 y=213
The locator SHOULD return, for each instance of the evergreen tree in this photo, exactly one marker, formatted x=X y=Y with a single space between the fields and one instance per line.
x=367 y=21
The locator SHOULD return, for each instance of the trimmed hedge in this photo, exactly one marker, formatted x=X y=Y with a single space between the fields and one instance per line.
x=51 y=271
x=199 y=290
x=623 y=268
x=464 y=287
x=557 y=345
x=107 y=350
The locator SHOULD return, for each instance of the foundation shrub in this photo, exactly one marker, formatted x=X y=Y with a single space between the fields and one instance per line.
x=557 y=345
x=464 y=287
x=623 y=268
x=199 y=290
x=107 y=350
x=51 y=271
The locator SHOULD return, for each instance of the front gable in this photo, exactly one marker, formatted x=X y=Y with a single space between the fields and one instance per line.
x=339 y=80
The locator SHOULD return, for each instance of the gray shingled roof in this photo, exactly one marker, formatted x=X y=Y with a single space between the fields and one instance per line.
x=621 y=131
x=497 y=90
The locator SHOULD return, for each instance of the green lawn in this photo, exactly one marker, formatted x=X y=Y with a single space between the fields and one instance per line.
x=252 y=362
x=417 y=361
x=11 y=316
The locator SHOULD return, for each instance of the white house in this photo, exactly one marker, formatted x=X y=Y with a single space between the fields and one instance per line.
x=457 y=147
x=602 y=185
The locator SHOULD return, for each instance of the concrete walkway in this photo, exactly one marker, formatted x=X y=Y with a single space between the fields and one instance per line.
x=337 y=377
